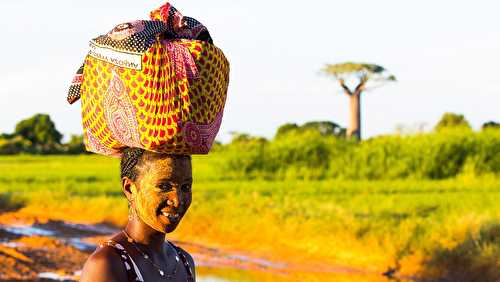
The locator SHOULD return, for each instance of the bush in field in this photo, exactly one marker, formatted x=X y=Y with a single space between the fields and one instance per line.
x=486 y=156
x=75 y=145
x=244 y=157
x=477 y=258
x=10 y=202
x=431 y=156
x=376 y=158
x=446 y=153
x=308 y=154
x=302 y=154
x=452 y=120
x=325 y=128
x=490 y=125
x=286 y=128
x=15 y=145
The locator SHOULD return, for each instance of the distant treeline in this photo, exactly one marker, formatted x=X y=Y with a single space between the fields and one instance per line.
x=38 y=135
x=311 y=152
x=318 y=150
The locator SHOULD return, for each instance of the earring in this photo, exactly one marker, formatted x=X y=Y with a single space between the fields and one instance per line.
x=131 y=212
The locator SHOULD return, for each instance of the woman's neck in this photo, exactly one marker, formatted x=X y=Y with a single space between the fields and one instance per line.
x=144 y=234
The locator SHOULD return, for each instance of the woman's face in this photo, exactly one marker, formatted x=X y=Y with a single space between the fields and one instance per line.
x=163 y=192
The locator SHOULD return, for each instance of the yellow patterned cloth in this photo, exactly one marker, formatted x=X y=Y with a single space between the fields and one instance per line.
x=160 y=85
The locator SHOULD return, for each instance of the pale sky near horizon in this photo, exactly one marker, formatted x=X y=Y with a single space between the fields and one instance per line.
x=445 y=55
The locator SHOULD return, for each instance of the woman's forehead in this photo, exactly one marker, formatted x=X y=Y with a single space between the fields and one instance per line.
x=168 y=168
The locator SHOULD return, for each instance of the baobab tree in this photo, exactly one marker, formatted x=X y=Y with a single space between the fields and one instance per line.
x=354 y=79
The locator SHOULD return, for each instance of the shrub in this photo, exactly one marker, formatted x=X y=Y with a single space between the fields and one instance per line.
x=308 y=154
x=15 y=145
x=244 y=157
x=304 y=155
x=452 y=120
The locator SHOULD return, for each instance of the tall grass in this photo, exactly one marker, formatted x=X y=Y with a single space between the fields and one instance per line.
x=310 y=155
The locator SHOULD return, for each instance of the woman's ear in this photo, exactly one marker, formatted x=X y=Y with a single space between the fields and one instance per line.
x=129 y=188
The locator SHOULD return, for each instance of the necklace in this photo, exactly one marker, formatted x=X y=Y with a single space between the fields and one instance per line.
x=148 y=259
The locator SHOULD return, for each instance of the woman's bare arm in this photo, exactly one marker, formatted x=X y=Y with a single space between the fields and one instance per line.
x=104 y=265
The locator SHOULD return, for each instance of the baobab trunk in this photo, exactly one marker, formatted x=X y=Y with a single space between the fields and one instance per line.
x=354 y=130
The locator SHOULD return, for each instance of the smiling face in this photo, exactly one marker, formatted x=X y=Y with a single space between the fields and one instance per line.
x=161 y=194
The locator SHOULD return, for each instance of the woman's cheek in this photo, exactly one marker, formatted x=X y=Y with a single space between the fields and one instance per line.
x=146 y=206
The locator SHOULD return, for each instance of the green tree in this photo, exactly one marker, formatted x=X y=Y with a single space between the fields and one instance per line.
x=325 y=128
x=286 y=128
x=490 y=124
x=39 y=129
x=6 y=136
x=75 y=145
x=238 y=137
x=452 y=120
x=364 y=77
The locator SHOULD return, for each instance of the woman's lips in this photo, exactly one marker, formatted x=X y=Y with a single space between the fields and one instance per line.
x=171 y=216
x=168 y=212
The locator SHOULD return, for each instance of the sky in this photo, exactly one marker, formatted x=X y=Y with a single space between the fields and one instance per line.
x=445 y=55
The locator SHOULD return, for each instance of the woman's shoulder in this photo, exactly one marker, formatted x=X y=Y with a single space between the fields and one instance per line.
x=105 y=264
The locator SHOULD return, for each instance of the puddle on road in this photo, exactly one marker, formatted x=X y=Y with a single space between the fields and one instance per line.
x=27 y=230
x=214 y=265
x=55 y=277
x=211 y=279
x=69 y=233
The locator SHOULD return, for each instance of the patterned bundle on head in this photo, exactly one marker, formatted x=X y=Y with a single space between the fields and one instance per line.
x=158 y=85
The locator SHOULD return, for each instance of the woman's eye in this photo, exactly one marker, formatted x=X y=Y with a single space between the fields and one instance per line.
x=186 y=187
x=166 y=187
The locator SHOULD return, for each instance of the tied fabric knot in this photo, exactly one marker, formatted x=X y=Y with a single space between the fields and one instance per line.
x=170 y=15
x=184 y=64
x=180 y=26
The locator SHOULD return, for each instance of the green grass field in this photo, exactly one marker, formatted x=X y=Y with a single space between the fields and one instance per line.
x=424 y=228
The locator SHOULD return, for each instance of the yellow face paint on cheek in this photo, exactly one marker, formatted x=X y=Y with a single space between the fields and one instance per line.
x=146 y=205
x=149 y=199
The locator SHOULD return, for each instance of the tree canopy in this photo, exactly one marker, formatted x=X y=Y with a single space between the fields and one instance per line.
x=38 y=135
x=325 y=128
x=364 y=72
x=490 y=124
x=39 y=129
x=452 y=120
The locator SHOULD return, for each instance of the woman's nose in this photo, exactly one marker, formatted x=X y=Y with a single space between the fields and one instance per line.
x=174 y=201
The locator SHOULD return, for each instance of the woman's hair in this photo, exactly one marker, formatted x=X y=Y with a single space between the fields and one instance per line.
x=132 y=158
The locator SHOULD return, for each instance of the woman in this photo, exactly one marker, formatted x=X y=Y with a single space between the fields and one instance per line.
x=158 y=189
x=158 y=88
